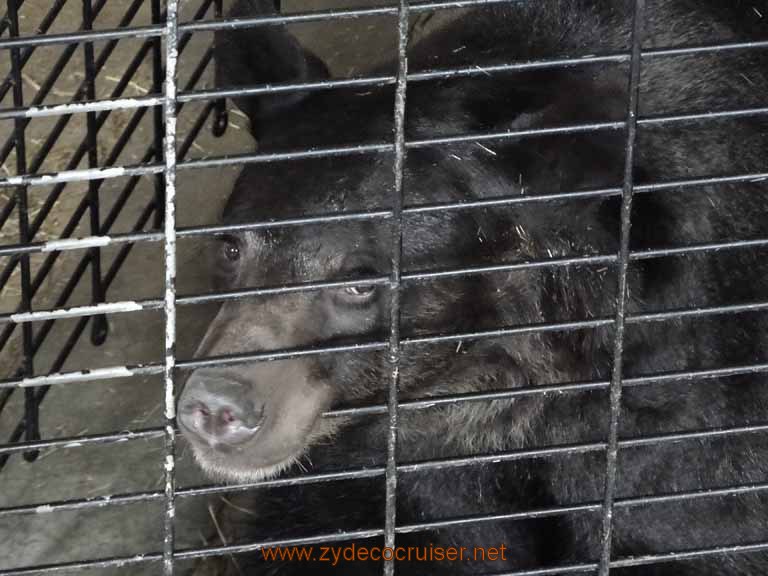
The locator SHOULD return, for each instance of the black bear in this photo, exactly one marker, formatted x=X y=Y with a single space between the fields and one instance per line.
x=509 y=240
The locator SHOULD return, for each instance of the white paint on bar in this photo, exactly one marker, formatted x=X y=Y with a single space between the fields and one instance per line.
x=79 y=376
x=64 y=176
x=75 y=243
x=74 y=312
x=95 y=106
x=169 y=108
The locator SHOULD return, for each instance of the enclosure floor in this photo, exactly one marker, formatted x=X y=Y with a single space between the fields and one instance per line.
x=101 y=407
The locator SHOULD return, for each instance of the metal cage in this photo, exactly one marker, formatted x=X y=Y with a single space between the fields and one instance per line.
x=162 y=40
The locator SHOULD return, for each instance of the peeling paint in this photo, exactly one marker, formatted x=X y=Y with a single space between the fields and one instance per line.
x=75 y=243
x=105 y=308
x=170 y=110
x=95 y=106
x=79 y=376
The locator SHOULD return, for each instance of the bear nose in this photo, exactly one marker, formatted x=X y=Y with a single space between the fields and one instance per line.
x=217 y=411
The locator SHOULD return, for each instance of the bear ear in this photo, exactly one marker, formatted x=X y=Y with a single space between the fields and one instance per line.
x=265 y=54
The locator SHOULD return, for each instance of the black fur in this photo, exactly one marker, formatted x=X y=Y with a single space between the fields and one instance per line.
x=676 y=216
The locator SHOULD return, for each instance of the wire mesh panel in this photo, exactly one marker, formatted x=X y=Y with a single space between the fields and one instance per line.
x=544 y=327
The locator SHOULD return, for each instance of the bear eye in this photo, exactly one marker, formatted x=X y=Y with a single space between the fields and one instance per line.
x=360 y=294
x=360 y=291
x=231 y=250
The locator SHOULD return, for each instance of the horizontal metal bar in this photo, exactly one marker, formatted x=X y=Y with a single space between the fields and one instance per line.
x=79 y=441
x=240 y=23
x=80 y=175
x=133 y=32
x=510 y=134
x=512 y=330
x=499 y=457
x=70 y=567
x=688 y=375
x=89 y=242
x=258 y=89
x=489 y=396
x=80 y=107
x=267 y=157
x=698 y=248
x=646 y=560
x=377 y=81
x=334 y=14
x=722 y=432
x=254 y=546
x=284 y=289
x=189 y=232
x=158 y=30
x=577 y=448
x=87 y=375
x=118 y=562
x=703 y=49
x=95 y=502
x=560 y=388
x=263 y=356
x=156 y=304
x=304 y=479
x=210 y=94
x=64 y=244
x=147 y=369
x=523 y=65
x=681 y=313
x=510 y=267
x=755 y=178
x=631 y=502
x=689 y=555
x=79 y=311
x=368 y=148
x=232 y=359
x=94 y=241
x=699 y=116
x=427 y=403
x=123 y=499
x=109 y=501
x=556 y=571
x=497 y=201
x=59 y=245
x=372 y=81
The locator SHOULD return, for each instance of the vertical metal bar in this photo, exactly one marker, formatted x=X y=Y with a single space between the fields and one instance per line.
x=26 y=54
x=99 y=325
x=394 y=285
x=612 y=452
x=171 y=62
x=5 y=21
x=220 y=115
x=157 y=114
x=32 y=429
x=45 y=87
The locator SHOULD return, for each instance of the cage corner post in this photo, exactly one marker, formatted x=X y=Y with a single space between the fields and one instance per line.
x=99 y=325
x=170 y=112
x=612 y=444
x=31 y=404
x=390 y=519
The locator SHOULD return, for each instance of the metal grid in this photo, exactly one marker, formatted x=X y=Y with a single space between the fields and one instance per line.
x=100 y=282
x=163 y=160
